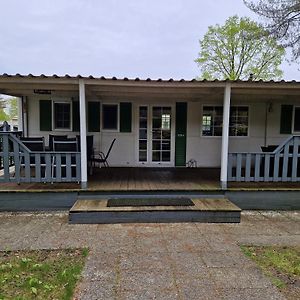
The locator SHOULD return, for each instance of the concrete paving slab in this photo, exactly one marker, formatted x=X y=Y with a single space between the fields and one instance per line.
x=160 y=261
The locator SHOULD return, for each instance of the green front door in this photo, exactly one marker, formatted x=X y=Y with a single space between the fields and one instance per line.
x=180 y=134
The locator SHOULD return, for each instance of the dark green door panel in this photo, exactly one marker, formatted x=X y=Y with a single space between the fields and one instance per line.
x=45 y=115
x=75 y=116
x=180 y=134
x=286 y=119
x=93 y=116
x=125 y=117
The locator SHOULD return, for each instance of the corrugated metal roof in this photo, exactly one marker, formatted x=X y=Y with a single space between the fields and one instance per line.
x=67 y=76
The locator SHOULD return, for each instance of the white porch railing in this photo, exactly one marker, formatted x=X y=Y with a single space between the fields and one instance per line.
x=283 y=164
x=19 y=164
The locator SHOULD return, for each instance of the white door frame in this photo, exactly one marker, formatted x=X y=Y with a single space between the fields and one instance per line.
x=149 y=162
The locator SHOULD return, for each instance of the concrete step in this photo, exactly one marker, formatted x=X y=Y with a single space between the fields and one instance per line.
x=205 y=210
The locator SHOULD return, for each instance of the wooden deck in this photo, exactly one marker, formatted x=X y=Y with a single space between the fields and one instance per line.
x=202 y=210
x=150 y=180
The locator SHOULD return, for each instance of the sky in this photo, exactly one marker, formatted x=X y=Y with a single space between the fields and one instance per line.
x=132 y=38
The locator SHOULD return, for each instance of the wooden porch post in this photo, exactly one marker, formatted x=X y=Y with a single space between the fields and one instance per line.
x=20 y=114
x=83 y=154
x=225 y=135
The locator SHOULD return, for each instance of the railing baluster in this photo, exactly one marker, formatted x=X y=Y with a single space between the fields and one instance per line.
x=257 y=167
x=58 y=167
x=285 y=162
x=6 y=158
x=68 y=167
x=248 y=167
x=37 y=158
x=229 y=168
x=295 y=159
x=267 y=167
x=27 y=167
x=78 y=167
x=276 y=167
x=48 y=168
x=239 y=167
x=17 y=160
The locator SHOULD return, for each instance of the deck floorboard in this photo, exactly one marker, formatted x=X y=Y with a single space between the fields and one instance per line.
x=152 y=179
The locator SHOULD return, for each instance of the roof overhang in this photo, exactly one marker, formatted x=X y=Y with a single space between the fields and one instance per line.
x=26 y=85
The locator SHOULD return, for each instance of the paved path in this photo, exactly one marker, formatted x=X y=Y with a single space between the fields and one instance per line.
x=160 y=261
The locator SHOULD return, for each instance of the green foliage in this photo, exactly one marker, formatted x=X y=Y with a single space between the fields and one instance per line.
x=237 y=49
x=12 y=105
x=13 y=108
x=281 y=20
x=279 y=263
x=45 y=274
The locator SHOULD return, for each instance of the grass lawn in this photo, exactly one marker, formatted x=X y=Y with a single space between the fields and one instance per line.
x=42 y=274
x=281 y=264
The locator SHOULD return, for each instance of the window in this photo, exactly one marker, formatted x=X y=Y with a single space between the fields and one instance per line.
x=62 y=115
x=212 y=120
x=238 y=122
x=110 y=116
x=297 y=119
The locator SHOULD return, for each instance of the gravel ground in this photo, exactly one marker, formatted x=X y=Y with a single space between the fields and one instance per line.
x=160 y=261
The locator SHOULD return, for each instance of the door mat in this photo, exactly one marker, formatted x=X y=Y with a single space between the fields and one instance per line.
x=115 y=202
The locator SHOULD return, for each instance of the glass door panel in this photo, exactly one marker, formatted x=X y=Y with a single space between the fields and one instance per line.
x=161 y=134
x=143 y=133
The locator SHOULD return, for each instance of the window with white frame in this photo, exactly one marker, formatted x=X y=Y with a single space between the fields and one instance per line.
x=110 y=116
x=238 y=122
x=62 y=115
x=212 y=120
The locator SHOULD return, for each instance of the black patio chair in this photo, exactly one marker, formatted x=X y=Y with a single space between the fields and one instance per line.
x=34 y=143
x=53 y=137
x=101 y=158
x=64 y=145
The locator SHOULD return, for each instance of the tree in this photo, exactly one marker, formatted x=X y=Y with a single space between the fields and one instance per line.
x=282 y=19
x=3 y=115
x=238 y=49
x=13 y=108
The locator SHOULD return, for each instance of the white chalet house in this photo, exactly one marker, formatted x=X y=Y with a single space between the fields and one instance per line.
x=246 y=131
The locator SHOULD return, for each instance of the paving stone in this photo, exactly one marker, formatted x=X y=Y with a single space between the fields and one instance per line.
x=185 y=263
x=145 y=261
x=250 y=277
x=224 y=259
x=250 y=294
x=146 y=279
x=160 y=261
x=150 y=294
x=96 y=290
x=194 y=288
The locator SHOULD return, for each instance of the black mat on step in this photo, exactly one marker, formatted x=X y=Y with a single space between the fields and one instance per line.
x=115 y=202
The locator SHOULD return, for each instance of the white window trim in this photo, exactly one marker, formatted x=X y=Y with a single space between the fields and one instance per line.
x=293 y=120
x=71 y=115
x=220 y=136
x=118 y=118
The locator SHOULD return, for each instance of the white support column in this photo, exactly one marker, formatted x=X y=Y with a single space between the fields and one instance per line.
x=20 y=114
x=83 y=156
x=25 y=115
x=225 y=136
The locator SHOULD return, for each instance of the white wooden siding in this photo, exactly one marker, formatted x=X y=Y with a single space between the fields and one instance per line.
x=205 y=150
